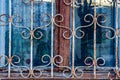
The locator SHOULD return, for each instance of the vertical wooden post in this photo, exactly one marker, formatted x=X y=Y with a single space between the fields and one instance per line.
x=62 y=45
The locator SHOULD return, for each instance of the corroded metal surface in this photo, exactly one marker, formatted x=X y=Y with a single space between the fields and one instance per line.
x=67 y=72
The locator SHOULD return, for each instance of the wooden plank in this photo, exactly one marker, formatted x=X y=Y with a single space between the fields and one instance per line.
x=62 y=46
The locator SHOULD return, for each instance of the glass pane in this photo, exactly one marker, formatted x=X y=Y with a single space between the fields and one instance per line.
x=25 y=36
x=85 y=46
x=21 y=46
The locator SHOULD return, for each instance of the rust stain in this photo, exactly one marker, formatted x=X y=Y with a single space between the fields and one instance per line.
x=10 y=19
x=9 y=60
x=52 y=60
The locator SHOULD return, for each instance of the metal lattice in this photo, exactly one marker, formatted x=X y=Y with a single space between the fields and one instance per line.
x=68 y=72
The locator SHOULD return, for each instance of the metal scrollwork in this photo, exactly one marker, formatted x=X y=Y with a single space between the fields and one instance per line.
x=5 y=58
x=14 y=19
x=89 y=61
x=56 y=63
x=23 y=71
x=68 y=30
x=17 y=61
x=85 y=26
x=27 y=72
x=3 y=21
x=18 y=19
x=67 y=68
x=32 y=33
x=10 y=60
x=46 y=18
x=25 y=33
x=38 y=69
x=46 y=61
x=116 y=72
x=70 y=3
x=36 y=33
x=79 y=71
x=78 y=29
x=105 y=27
x=66 y=72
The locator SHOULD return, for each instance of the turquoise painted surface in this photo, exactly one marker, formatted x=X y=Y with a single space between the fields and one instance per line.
x=20 y=46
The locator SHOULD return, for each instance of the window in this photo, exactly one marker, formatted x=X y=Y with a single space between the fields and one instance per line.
x=104 y=44
x=59 y=38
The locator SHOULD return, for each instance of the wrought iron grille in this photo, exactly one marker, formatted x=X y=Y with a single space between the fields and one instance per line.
x=31 y=33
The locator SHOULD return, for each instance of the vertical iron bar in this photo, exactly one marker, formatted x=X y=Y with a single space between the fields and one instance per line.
x=10 y=30
x=31 y=38
x=73 y=37
x=52 y=37
x=116 y=40
x=95 y=19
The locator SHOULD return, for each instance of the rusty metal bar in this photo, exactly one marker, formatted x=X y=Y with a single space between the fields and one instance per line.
x=52 y=38
x=10 y=31
x=31 y=37
x=95 y=21
x=73 y=38
x=117 y=39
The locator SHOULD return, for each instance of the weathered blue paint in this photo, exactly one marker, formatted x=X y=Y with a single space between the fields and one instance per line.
x=20 y=46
